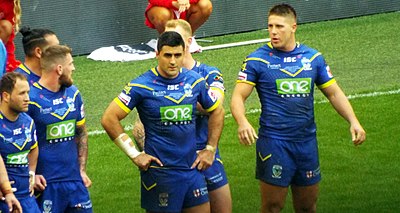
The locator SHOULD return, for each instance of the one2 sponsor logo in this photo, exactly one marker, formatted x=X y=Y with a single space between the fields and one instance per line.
x=293 y=86
x=60 y=130
x=176 y=113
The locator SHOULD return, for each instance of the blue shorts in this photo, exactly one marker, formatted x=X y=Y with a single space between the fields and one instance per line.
x=215 y=175
x=28 y=205
x=283 y=163
x=168 y=190
x=63 y=197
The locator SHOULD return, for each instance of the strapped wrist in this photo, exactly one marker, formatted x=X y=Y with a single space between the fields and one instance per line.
x=211 y=148
x=125 y=143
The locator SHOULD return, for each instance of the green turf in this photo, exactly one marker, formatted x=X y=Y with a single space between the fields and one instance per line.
x=363 y=55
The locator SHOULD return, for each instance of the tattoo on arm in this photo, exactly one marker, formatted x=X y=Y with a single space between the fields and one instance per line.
x=82 y=141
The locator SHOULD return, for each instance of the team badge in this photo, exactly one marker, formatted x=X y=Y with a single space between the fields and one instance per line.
x=276 y=171
x=47 y=206
x=163 y=199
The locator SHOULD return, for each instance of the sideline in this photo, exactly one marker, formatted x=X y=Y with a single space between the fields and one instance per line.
x=252 y=111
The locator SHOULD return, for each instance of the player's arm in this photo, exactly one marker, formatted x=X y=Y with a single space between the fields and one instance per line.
x=342 y=105
x=246 y=132
x=82 y=141
x=6 y=191
x=206 y=157
x=32 y=158
x=112 y=125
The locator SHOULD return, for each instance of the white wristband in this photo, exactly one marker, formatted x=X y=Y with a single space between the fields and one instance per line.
x=211 y=148
x=32 y=173
x=127 y=145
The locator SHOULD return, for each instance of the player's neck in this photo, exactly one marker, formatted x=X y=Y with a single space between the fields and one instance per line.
x=49 y=82
x=33 y=64
x=7 y=112
x=188 y=61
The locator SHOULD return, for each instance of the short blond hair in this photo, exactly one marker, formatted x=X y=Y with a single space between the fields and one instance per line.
x=53 y=56
x=174 y=23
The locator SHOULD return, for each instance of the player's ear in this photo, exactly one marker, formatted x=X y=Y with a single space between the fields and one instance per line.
x=294 y=27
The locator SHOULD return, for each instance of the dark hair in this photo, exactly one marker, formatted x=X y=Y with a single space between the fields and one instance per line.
x=283 y=10
x=7 y=82
x=33 y=38
x=170 y=38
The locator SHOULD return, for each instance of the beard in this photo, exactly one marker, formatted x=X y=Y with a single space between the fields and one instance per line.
x=65 y=81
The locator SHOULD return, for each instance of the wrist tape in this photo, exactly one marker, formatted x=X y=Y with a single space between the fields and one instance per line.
x=125 y=143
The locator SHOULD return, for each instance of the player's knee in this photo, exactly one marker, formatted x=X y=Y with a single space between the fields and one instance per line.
x=205 y=6
x=159 y=15
x=307 y=208
x=272 y=207
x=6 y=27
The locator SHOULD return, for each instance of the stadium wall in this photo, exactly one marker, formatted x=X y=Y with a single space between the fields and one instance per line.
x=91 y=24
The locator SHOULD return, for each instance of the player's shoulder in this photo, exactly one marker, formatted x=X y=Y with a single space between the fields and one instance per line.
x=25 y=117
x=190 y=74
x=205 y=69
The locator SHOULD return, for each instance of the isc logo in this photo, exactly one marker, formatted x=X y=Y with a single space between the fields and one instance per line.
x=60 y=130
x=176 y=113
x=57 y=101
x=289 y=59
x=294 y=86
x=173 y=87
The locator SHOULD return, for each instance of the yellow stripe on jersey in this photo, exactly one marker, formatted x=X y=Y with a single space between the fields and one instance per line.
x=257 y=59
x=141 y=86
x=34 y=145
x=81 y=122
x=122 y=105
x=196 y=82
x=37 y=85
x=264 y=158
x=174 y=100
x=36 y=104
x=246 y=82
x=24 y=68
x=216 y=104
x=327 y=84
x=148 y=188
x=154 y=71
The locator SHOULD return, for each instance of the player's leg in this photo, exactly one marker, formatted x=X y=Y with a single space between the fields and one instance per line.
x=275 y=169
x=202 y=208
x=5 y=30
x=305 y=182
x=305 y=198
x=158 y=16
x=199 y=13
x=221 y=200
x=272 y=197
x=218 y=187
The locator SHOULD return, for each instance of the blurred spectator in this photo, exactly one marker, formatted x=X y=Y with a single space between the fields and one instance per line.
x=10 y=19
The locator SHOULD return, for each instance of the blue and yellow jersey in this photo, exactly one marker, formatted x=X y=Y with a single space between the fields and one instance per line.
x=285 y=85
x=167 y=110
x=215 y=81
x=56 y=115
x=31 y=76
x=17 y=138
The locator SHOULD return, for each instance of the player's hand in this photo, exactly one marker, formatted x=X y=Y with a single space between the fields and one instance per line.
x=247 y=134
x=358 y=134
x=144 y=160
x=138 y=134
x=86 y=180
x=204 y=160
x=40 y=183
x=12 y=203
x=181 y=5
